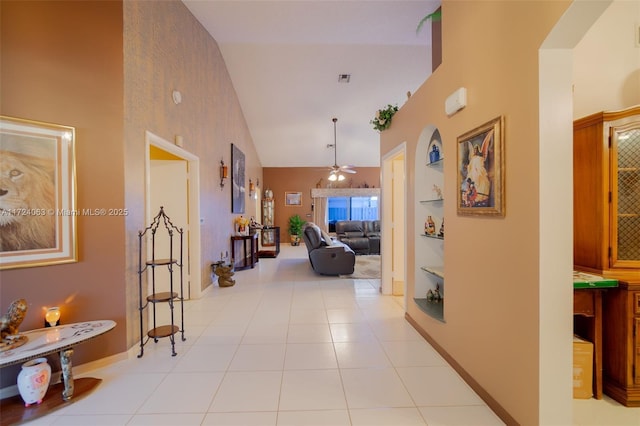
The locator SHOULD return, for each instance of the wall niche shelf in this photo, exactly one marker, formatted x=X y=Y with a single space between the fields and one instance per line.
x=434 y=270
x=429 y=288
x=437 y=237
x=436 y=164
x=433 y=309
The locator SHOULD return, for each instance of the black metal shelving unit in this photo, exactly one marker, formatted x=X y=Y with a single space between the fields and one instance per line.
x=161 y=223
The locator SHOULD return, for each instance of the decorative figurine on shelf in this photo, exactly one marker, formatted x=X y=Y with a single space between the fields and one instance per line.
x=434 y=154
x=434 y=295
x=10 y=321
x=430 y=226
x=253 y=225
x=241 y=225
x=9 y=324
x=437 y=191
x=441 y=232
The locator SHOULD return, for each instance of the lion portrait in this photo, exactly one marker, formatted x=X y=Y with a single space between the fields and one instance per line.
x=27 y=200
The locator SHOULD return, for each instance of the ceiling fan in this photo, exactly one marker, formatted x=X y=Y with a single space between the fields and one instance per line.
x=335 y=174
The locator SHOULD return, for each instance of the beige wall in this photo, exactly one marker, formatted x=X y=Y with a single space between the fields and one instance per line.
x=166 y=49
x=491 y=264
x=303 y=179
x=62 y=63
x=612 y=57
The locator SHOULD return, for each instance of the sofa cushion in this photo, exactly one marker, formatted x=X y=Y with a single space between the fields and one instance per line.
x=349 y=228
x=326 y=238
x=372 y=228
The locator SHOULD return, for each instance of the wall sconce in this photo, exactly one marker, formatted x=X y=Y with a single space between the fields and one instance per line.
x=52 y=317
x=224 y=173
x=252 y=189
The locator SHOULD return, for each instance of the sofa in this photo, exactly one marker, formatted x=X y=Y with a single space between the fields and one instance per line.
x=363 y=236
x=327 y=256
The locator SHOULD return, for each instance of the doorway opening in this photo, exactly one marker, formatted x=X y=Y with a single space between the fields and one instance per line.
x=393 y=219
x=172 y=181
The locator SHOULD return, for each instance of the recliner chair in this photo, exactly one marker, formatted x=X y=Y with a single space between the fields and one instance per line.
x=327 y=256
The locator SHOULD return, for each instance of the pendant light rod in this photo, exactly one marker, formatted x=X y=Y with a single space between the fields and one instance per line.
x=335 y=142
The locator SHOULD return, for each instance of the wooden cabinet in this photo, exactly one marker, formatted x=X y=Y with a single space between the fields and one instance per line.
x=606 y=201
x=621 y=327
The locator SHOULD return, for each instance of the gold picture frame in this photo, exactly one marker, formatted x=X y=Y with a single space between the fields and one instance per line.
x=37 y=159
x=481 y=174
x=293 y=199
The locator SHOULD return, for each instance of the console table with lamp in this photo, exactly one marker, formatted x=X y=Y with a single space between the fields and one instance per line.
x=41 y=342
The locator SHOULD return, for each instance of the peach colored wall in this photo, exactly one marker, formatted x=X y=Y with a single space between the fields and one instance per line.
x=491 y=264
x=303 y=179
x=62 y=63
x=166 y=49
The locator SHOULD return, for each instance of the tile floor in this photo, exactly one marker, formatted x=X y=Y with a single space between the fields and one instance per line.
x=294 y=349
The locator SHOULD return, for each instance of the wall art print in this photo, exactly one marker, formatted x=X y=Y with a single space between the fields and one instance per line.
x=481 y=170
x=237 y=180
x=293 y=199
x=37 y=194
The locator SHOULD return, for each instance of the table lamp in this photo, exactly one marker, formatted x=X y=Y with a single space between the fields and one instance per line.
x=52 y=317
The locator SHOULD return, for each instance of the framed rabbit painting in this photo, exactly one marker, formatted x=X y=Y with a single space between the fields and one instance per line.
x=480 y=162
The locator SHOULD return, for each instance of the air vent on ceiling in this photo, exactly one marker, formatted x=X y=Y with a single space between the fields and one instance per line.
x=344 y=78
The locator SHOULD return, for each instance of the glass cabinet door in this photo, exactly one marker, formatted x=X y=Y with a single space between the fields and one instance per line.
x=268 y=236
x=625 y=196
x=267 y=212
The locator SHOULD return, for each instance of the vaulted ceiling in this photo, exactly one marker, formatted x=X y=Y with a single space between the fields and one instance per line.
x=285 y=59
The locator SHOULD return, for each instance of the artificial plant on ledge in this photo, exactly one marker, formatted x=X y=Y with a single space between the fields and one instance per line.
x=435 y=16
x=383 y=117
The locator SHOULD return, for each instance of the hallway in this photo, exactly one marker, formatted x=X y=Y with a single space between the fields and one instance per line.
x=279 y=349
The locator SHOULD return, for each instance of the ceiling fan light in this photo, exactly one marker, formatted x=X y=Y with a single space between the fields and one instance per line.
x=340 y=177
x=333 y=177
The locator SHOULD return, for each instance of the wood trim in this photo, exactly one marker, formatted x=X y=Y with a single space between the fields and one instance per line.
x=599 y=117
x=482 y=393
x=14 y=411
x=344 y=192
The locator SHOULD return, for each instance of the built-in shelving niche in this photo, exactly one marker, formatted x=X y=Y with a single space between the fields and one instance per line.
x=429 y=286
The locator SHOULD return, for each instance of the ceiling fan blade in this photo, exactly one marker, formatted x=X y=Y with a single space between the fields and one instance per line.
x=348 y=171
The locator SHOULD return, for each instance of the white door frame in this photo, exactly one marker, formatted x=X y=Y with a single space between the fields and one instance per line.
x=386 y=284
x=194 y=287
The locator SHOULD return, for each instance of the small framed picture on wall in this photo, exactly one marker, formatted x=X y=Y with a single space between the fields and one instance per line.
x=293 y=199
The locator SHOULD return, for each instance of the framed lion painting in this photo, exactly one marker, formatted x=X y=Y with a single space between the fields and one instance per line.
x=37 y=194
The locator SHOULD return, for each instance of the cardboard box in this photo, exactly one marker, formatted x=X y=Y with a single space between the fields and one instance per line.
x=582 y=368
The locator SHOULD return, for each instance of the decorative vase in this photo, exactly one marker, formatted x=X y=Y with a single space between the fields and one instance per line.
x=33 y=380
x=241 y=230
x=434 y=155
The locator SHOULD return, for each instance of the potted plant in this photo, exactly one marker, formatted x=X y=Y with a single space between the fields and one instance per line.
x=383 y=117
x=295 y=229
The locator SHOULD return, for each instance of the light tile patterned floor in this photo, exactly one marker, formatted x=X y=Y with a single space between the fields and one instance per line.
x=295 y=349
